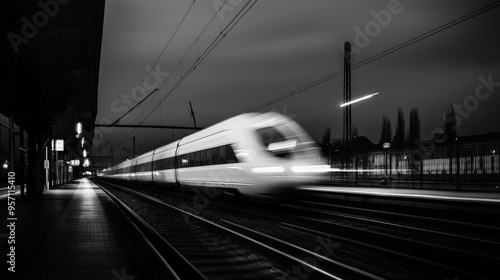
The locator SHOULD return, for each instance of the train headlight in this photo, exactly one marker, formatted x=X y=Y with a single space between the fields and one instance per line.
x=268 y=169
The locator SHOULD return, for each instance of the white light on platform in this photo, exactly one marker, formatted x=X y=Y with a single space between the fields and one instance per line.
x=79 y=128
x=359 y=99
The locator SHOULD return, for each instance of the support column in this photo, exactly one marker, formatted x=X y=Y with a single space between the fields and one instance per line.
x=47 y=178
x=34 y=164
x=22 y=159
x=12 y=145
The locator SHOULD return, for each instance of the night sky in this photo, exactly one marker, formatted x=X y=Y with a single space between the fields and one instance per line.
x=280 y=46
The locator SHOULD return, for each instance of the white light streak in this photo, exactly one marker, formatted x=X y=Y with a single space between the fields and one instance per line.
x=283 y=145
x=359 y=99
x=270 y=169
x=311 y=168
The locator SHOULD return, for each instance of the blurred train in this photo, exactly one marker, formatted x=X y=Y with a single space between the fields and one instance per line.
x=253 y=155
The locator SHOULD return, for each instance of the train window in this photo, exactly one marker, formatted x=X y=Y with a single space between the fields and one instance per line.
x=275 y=142
x=222 y=154
x=184 y=160
x=230 y=156
x=208 y=159
x=191 y=160
x=270 y=135
x=197 y=157
x=215 y=155
x=203 y=157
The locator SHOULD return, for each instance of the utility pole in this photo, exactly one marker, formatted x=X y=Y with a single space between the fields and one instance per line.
x=192 y=114
x=346 y=131
x=346 y=134
x=133 y=147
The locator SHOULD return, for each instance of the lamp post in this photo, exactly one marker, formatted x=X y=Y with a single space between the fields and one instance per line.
x=386 y=146
x=347 y=114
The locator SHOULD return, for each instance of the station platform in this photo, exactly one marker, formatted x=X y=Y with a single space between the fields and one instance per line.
x=426 y=194
x=75 y=231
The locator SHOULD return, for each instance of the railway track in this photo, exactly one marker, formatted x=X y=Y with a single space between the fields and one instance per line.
x=450 y=254
x=226 y=250
x=361 y=244
x=452 y=227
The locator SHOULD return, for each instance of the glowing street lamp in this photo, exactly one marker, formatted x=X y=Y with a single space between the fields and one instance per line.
x=359 y=99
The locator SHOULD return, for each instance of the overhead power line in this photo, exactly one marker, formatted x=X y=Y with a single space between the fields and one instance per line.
x=244 y=10
x=375 y=57
x=232 y=23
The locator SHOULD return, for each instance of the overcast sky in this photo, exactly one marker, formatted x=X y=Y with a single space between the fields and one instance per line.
x=281 y=45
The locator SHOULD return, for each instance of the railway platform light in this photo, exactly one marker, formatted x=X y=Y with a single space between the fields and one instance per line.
x=78 y=129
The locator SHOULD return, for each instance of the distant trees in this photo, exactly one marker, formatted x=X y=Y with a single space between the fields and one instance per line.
x=414 y=130
x=386 y=134
x=355 y=132
x=450 y=124
x=399 y=137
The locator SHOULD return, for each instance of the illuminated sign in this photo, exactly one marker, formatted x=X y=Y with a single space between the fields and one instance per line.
x=59 y=147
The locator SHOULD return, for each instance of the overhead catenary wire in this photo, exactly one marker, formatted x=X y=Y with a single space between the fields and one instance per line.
x=243 y=11
x=375 y=57
x=156 y=62
x=235 y=20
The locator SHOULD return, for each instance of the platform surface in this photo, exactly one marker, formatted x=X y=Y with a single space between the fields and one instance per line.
x=76 y=231
x=445 y=195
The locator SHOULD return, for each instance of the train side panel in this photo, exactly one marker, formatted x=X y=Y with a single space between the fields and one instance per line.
x=164 y=164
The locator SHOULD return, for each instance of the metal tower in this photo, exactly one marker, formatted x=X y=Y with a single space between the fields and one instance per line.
x=346 y=131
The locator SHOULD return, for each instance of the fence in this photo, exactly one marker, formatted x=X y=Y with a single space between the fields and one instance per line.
x=459 y=167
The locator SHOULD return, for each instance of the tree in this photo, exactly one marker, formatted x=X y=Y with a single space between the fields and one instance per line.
x=414 y=131
x=355 y=132
x=386 y=134
x=450 y=124
x=400 y=128
x=325 y=143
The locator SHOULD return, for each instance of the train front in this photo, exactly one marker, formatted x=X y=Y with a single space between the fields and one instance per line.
x=280 y=155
